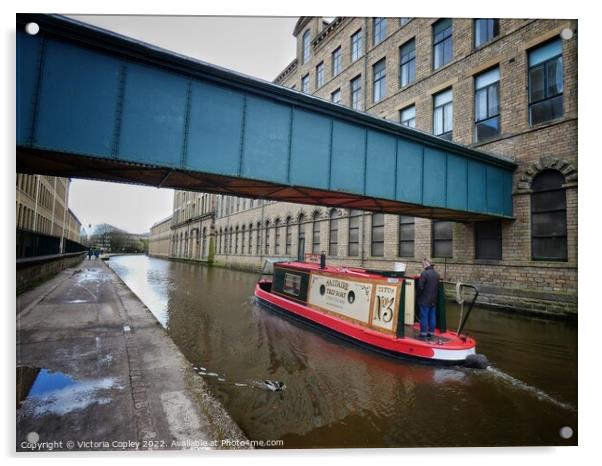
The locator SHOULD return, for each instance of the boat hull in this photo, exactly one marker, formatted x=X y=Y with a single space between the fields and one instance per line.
x=452 y=353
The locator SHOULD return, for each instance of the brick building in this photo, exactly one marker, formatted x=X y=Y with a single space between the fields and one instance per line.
x=506 y=86
x=160 y=238
x=42 y=207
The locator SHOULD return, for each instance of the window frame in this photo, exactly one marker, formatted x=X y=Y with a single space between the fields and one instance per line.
x=480 y=235
x=409 y=62
x=544 y=64
x=320 y=75
x=381 y=81
x=353 y=214
x=305 y=84
x=337 y=61
x=442 y=42
x=306 y=47
x=379 y=24
x=356 y=45
x=356 y=92
x=437 y=240
x=334 y=94
x=496 y=31
x=485 y=89
x=444 y=134
x=413 y=119
x=374 y=242
x=403 y=220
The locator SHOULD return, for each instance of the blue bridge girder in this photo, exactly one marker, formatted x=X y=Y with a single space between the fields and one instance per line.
x=97 y=105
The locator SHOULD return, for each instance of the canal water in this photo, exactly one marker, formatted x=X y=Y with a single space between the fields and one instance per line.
x=337 y=395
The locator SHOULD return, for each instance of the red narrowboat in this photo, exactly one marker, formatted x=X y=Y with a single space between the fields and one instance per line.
x=373 y=309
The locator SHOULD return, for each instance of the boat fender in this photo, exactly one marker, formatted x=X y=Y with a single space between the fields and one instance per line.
x=274 y=385
x=476 y=361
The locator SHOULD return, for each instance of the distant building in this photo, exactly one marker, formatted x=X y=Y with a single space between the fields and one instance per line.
x=160 y=237
x=42 y=207
x=506 y=86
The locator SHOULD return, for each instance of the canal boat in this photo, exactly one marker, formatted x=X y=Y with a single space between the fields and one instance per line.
x=372 y=308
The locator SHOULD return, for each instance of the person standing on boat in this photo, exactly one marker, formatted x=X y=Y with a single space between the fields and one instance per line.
x=428 y=287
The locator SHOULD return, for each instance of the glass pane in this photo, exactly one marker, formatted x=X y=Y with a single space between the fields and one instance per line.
x=545 y=52
x=489 y=249
x=447 y=51
x=442 y=229
x=481 y=105
x=546 y=110
x=493 y=100
x=378 y=234
x=354 y=236
x=549 y=248
x=406 y=231
x=552 y=200
x=480 y=31
x=548 y=224
x=438 y=56
x=536 y=84
x=547 y=179
x=442 y=249
x=554 y=71
x=353 y=249
x=488 y=129
x=438 y=121
x=406 y=249
x=448 y=118
x=378 y=249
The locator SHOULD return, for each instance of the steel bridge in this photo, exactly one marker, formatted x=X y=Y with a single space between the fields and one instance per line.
x=97 y=105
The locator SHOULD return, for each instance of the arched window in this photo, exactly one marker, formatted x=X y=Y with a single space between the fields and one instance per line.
x=219 y=242
x=315 y=240
x=267 y=237
x=230 y=240
x=258 y=246
x=277 y=237
x=333 y=236
x=301 y=237
x=236 y=241
x=288 y=237
x=242 y=239
x=250 y=238
x=204 y=241
x=548 y=217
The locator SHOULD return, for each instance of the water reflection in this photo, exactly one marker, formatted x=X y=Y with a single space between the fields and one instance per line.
x=339 y=395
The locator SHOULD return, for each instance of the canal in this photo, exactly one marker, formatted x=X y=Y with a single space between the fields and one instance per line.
x=338 y=395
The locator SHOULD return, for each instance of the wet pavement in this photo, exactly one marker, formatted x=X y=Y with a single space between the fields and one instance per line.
x=96 y=371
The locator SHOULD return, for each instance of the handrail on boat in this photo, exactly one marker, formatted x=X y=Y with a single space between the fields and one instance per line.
x=460 y=299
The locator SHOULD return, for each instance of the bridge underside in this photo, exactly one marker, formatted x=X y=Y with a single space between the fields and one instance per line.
x=34 y=161
x=96 y=105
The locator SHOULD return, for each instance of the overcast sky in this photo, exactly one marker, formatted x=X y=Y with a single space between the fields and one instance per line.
x=257 y=46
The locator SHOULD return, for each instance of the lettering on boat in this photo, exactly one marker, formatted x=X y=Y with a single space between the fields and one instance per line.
x=345 y=297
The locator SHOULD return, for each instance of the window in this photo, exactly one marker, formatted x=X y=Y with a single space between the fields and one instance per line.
x=288 y=236
x=443 y=115
x=378 y=235
x=486 y=103
x=406 y=236
x=379 y=80
x=407 y=63
x=315 y=241
x=242 y=239
x=277 y=237
x=336 y=96
x=485 y=29
x=258 y=239
x=354 y=233
x=251 y=238
x=337 y=61
x=267 y=238
x=356 y=93
x=320 y=75
x=407 y=116
x=545 y=83
x=305 y=84
x=236 y=241
x=442 y=238
x=333 y=236
x=379 y=30
x=403 y=21
x=548 y=217
x=488 y=240
x=306 y=46
x=301 y=236
x=356 y=45
x=230 y=241
x=442 y=43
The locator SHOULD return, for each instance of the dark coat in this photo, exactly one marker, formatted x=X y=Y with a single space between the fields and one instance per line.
x=428 y=286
